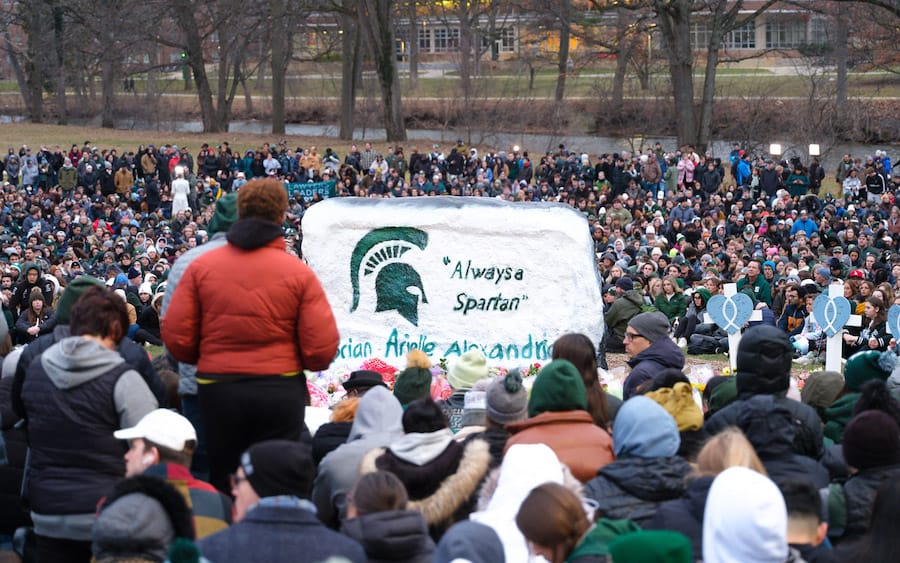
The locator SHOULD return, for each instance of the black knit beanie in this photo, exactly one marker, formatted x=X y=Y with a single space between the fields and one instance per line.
x=279 y=467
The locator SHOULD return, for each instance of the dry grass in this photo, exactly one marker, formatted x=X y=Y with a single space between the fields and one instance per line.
x=35 y=135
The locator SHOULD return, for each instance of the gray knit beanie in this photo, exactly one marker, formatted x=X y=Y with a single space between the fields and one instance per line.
x=652 y=326
x=507 y=399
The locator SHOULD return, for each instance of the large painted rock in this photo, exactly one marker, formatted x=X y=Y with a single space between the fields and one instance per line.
x=450 y=274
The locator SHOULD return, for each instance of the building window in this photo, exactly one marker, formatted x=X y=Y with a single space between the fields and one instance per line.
x=743 y=37
x=785 y=34
x=818 y=31
x=699 y=35
x=508 y=40
x=424 y=40
x=446 y=40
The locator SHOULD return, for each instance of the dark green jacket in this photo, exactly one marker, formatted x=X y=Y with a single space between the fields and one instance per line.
x=623 y=309
x=838 y=415
x=672 y=308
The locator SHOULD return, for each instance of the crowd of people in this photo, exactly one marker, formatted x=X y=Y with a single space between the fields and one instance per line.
x=203 y=452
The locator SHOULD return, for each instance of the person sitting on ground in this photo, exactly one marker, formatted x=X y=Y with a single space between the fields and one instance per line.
x=377 y=424
x=647 y=469
x=764 y=368
x=144 y=519
x=743 y=499
x=378 y=518
x=650 y=350
x=441 y=475
x=806 y=530
x=275 y=521
x=685 y=515
x=161 y=445
x=628 y=303
x=558 y=417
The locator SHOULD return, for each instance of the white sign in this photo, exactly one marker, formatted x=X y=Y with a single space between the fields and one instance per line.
x=449 y=274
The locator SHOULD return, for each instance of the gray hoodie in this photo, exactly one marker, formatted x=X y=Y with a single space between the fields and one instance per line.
x=76 y=360
x=377 y=424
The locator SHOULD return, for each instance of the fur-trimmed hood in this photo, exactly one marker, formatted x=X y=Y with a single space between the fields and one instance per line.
x=454 y=491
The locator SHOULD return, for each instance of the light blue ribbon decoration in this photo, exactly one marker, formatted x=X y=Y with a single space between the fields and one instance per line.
x=730 y=313
x=832 y=313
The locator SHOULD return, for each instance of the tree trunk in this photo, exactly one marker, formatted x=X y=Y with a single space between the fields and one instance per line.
x=675 y=26
x=840 y=57
x=108 y=87
x=34 y=67
x=709 y=91
x=184 y=17
x=281 y=56
x=59 y=68
x=618 y=89
x=379 y=31
x=563 y=63
x=465 y=52
x=350 y=62
x=413 y=50
x=21 y=80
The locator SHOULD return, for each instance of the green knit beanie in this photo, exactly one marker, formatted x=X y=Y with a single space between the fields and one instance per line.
x=866 y=366
x=224 y=215
x=411 y=384
x=71 y=294
x=651 y=546
x=558 y=387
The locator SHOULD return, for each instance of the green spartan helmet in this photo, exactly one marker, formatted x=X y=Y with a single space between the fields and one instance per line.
x=385 y=247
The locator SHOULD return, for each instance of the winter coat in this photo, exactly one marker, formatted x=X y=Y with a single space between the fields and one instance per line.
x=68 y=178
x=850 y=505
x=838 y=415
x=572 y=435
x=807 y=441
x=633 y=487
x=210 y=509
x=442 y=489
x=647 y=470
x=377 y=424
x=646 y=364
x=623 y=309
x=771 y=429
x=279 y=534
x=223 y=331
x=672 y=307
x=75 y=397
x=685 y=515
x=393 y=535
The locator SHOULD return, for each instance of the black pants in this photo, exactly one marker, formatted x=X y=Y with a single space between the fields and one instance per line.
x=686 y=327
x=238 y=414
x=56 y=550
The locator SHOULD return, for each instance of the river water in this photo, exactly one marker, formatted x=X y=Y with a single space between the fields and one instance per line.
x=535 y=143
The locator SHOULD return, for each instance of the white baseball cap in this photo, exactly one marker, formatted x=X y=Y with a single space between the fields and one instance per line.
x=162 y=427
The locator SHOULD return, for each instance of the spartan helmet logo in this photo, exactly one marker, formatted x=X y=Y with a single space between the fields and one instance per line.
x=380 y=253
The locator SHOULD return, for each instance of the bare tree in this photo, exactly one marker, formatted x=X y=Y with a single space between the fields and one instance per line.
x=376 y=20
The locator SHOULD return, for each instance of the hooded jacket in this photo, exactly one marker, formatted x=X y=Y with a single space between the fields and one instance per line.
x=577 y=441
x=442 y=482
x=377 y=424
x=771 y=429
x=75 y=397
x=763 y=368
x=393 y=535
x=469 y=541
x=525 y=466
x=745 y=519
x=647 y=470
x=622 y=310
x=660 y=355
x=252 y=324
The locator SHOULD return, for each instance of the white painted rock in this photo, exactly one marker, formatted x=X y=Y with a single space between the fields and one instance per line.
x=448 y=274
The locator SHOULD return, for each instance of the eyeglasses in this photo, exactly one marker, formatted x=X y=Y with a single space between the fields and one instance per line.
x=235 y=480
x=633 y=335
